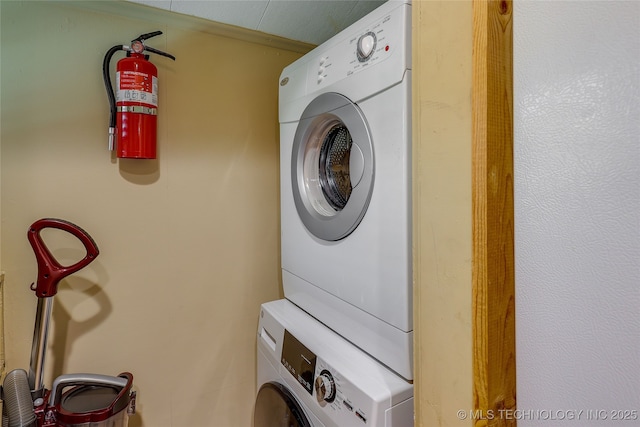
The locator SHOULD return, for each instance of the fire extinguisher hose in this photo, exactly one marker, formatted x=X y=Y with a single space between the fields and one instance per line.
x=112 y=99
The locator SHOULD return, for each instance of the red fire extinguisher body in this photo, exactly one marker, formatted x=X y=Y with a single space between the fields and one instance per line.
x=136 y=104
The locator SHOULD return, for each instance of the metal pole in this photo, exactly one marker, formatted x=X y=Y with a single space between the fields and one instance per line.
x=39 y=346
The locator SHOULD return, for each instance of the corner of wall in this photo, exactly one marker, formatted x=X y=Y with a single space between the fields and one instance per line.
x=1 y=272
x=1 y=324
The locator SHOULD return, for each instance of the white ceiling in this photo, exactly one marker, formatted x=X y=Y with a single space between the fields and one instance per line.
x=310 y=21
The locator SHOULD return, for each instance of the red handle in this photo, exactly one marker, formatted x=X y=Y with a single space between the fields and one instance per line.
x=50 y=271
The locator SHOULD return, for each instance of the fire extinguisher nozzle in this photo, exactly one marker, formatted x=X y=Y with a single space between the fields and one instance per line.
x=112 y=138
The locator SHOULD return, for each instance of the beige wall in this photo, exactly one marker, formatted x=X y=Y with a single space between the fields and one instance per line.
x=189 y=243
x=442 y=42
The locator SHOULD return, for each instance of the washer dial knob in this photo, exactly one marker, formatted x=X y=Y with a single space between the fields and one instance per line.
x=366 y=46
x=325 y=387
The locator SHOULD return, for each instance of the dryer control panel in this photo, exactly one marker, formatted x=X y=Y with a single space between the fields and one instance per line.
x=366 y=47
x=361 y=48
x=371 y=55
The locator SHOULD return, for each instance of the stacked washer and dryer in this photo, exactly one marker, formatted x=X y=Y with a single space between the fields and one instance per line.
x=337 y=352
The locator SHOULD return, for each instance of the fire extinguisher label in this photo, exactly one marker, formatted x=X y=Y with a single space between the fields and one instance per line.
x=135 y=86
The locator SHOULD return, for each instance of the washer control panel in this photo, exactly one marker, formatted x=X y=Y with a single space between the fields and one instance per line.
x=299 y=361
x=337 y=395
x=332 y=391
x=336 y=383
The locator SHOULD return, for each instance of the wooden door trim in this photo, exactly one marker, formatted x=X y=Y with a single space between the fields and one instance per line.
x=494 y=363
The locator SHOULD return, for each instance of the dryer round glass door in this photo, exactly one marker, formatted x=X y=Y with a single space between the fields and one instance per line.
x=277 y=407
x=332 y=167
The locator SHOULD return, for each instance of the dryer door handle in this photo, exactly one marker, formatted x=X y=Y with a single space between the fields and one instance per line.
x=356 y=165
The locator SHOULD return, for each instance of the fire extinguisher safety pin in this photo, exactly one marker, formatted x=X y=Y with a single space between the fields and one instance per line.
x=137 y=46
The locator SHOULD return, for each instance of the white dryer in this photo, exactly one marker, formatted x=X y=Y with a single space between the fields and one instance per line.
x=345 y=165
x=308 y=376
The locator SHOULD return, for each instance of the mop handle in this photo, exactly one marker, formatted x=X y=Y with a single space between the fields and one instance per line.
x=50 y=271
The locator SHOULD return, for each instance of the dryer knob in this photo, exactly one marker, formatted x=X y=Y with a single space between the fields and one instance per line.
x=366 y=46
x=325 y=387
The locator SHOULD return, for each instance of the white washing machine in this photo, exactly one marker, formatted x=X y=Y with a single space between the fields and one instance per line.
x=345 y=164
x=308 y=376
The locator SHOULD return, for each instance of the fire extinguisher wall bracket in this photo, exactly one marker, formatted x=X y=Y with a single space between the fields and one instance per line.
x=134 y=105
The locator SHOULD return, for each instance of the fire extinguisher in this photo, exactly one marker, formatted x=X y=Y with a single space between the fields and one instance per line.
x=134 y=107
